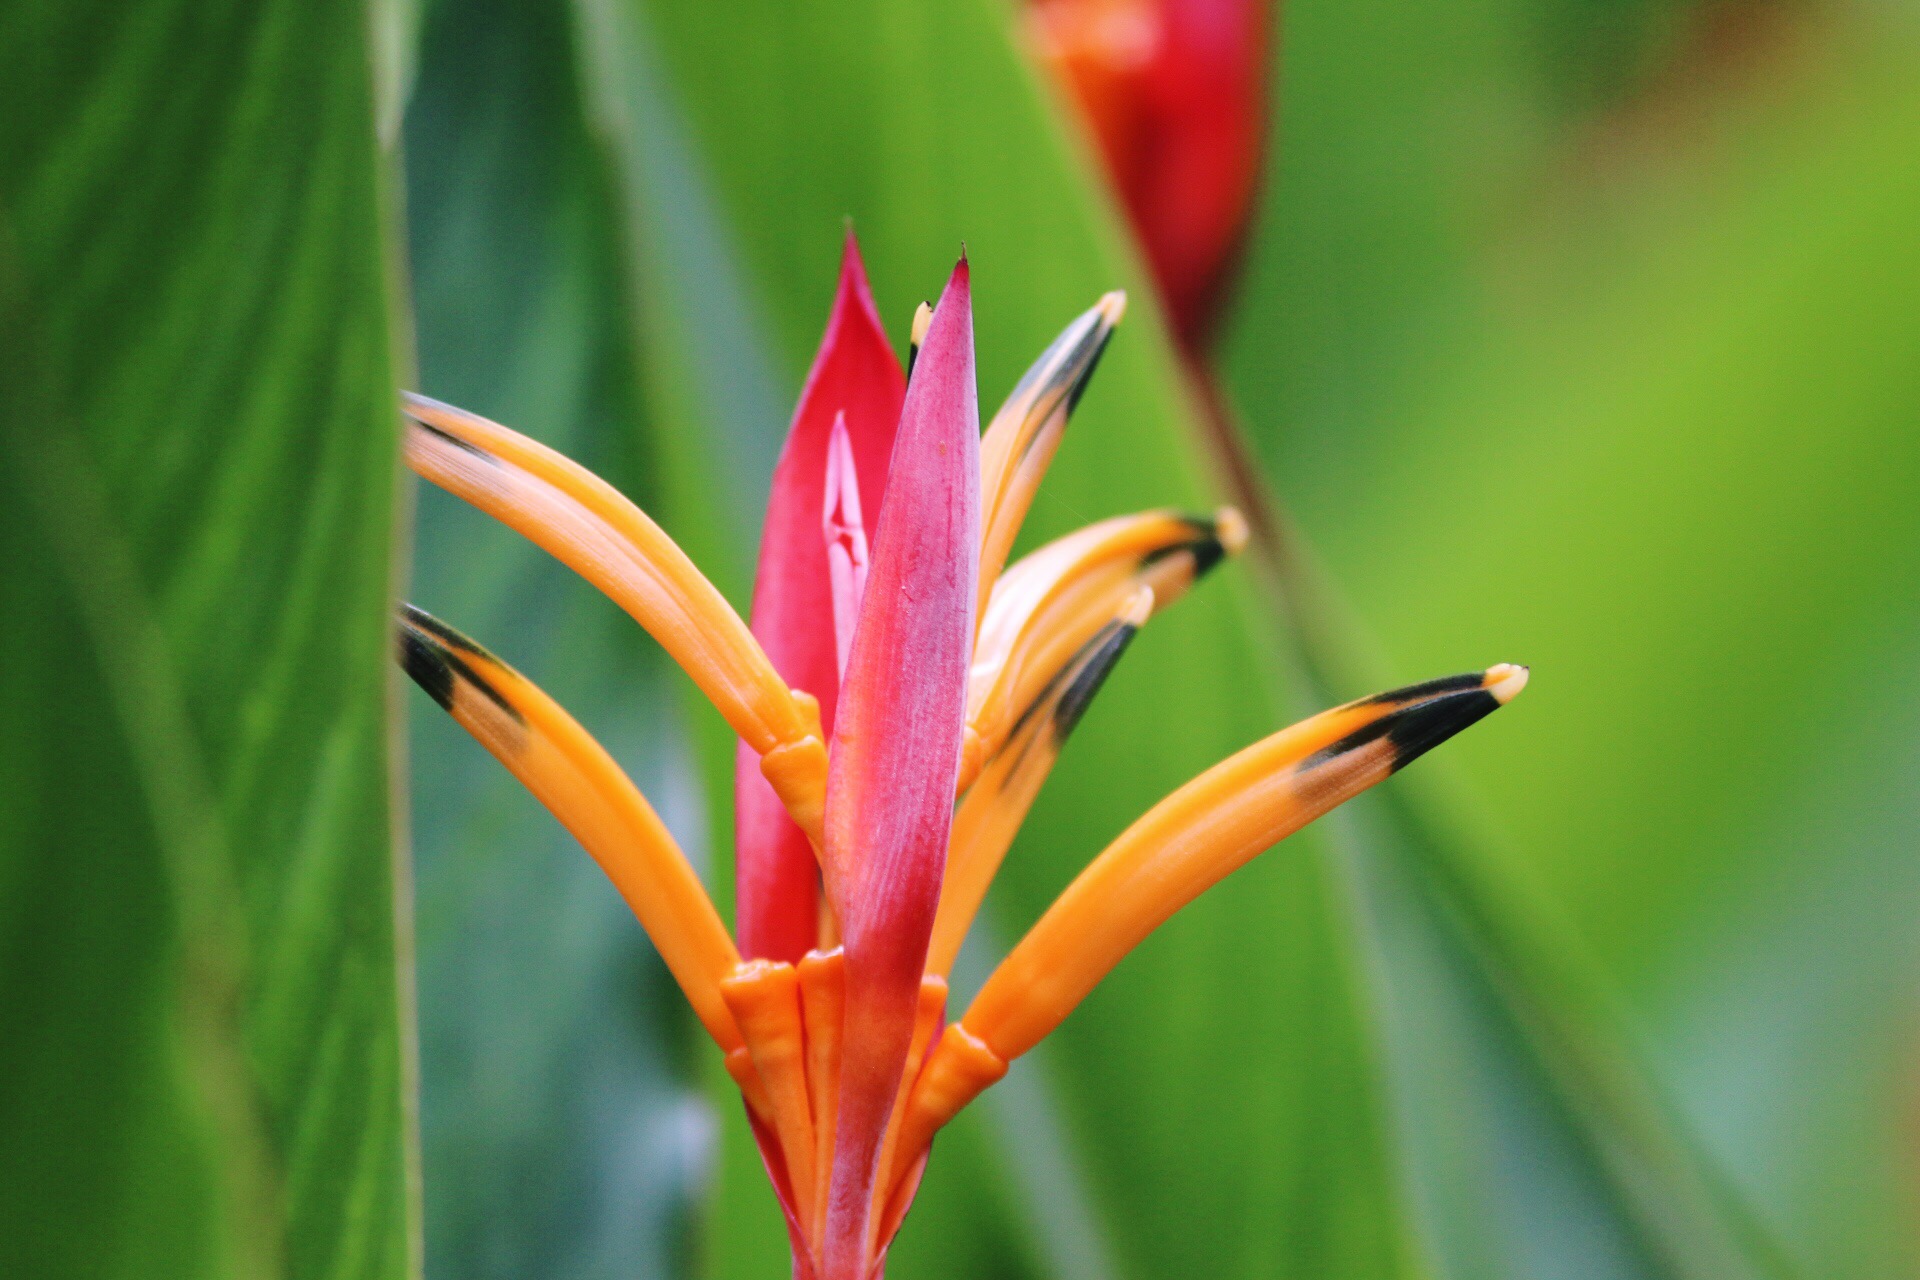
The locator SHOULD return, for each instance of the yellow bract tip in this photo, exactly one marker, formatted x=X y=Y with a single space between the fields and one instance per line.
x=1231 y=528
x=1505 y=681
x=1113 y=306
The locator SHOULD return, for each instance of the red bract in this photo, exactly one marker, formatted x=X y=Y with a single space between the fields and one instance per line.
x=1174 y=91
x=896 y=751
x=856 y=380
x=936 y=677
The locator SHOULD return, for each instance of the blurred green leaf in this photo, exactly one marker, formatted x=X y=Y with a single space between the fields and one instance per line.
x=559 y=1141
x=1652 y=431
x=205 y=1064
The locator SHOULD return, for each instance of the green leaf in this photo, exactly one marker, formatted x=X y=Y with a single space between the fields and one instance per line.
x=205 y=1063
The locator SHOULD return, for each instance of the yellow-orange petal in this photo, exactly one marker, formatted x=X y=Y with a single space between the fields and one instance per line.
x=578 y=782
x=1052 y=602
x=1020 y=442
x=959 y=1069
x=764 y=997
x=823 y=1003
x=588 y=525
x=926 y=1022
x=917 y=337
x=993 y=808
x=1205 y=830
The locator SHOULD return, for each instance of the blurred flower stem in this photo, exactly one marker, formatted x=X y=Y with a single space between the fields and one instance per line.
x=1174 y=96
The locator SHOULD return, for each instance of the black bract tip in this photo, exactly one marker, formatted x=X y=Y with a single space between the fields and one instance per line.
x=419 y=619
x=1102 y=335
x=430 y=654
x=1421 y=728
x=1415 y=730
x=1428 y=689
x=1205 y=547
x=1106 y=648
x=426 y=664
x=1207 y=552
x=453 y=439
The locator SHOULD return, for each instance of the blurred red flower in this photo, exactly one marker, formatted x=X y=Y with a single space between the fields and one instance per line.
x=1174 y=91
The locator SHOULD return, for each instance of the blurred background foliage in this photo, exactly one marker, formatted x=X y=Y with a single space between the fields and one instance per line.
x=1572 y=332
x=1630 y=322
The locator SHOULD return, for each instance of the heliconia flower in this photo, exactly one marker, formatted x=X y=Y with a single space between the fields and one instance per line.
x=938 y=674
x=1174 y=93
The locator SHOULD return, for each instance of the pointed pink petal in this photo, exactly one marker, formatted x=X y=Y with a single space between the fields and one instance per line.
x=845 y=531
x=896 y=751
x=856 y=374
